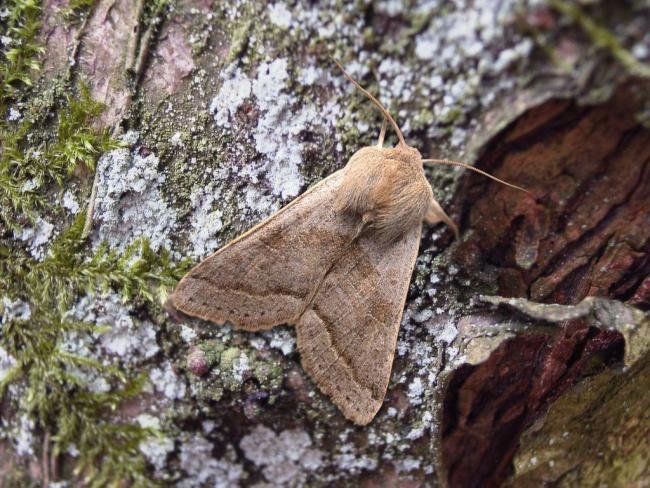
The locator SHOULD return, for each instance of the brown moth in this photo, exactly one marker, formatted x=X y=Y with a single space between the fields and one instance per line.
x=335 y=263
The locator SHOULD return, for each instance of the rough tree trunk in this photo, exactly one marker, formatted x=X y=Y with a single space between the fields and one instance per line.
x=227 y=112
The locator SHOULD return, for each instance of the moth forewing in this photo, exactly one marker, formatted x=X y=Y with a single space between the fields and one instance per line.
x=263 y=277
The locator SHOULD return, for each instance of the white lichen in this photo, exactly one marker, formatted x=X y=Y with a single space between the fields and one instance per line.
x=70 y=202
x=148 y=421
x=176 y=140
x=421 y=427
x=14 y=114
x=129 y=201
x=448 y=333
x=14 y=310
x=205 y=221
x=286 y=458
x=310 y=75
x=156 y=450
x=167 y=382
x=283 y=340
x=348 y=460
x=284 y=156
x=23 y=436
x=240 y=366
x=202 y=469
x=276 y=136
x=407 y=464
x=234 y=91
x=187 y=333
x=415 y=391
x=123 y=335
x=7 y=363
x=37 y=237
x=280 y=15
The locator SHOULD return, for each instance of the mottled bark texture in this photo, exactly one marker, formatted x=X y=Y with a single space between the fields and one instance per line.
x=233 y=110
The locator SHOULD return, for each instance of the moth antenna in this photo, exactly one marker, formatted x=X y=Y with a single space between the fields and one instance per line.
x=382 y=133
x=467 y=166
x=376 y=102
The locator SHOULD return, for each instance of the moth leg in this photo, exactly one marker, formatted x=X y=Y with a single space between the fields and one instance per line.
x=436 y=214
x=382 y=133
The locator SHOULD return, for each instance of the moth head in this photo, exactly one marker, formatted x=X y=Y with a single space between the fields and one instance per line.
x=387 y=186
x=386 y=189
x=409 y=155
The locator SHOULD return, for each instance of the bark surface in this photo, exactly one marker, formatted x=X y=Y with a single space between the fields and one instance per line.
x=522 y=357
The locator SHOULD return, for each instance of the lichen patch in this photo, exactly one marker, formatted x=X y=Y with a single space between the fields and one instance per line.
x=129 y=201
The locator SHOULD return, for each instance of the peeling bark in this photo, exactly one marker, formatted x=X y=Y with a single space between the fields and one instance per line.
x=587 y=231
x=489 y=404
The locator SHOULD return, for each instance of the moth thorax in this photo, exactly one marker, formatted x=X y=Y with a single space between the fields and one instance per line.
x=386 y=188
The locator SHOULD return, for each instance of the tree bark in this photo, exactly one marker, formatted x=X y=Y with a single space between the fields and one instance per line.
x=229 y=112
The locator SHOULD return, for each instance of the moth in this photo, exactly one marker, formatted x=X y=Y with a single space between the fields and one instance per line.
x=336 y=264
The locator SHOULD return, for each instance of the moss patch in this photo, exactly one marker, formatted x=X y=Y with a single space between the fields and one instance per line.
x=46 y=383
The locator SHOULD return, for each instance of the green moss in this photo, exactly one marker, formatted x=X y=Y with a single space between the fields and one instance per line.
x=239 y=39
x=422 y=120
x=595 y=435
x=260 y=366
x=36 y=159
x=75 y=10
x=21 y=60
x=213 y=350
x=13 y=474
x=209 y=389
x=228 y=358
x=451 y=116
x=55 y=397
x=39 y=164
x=270 y=374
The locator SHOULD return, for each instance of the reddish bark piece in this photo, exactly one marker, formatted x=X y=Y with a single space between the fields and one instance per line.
x=58 y=38
x=588 y=231
x=111 y=29
x=171 y=62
